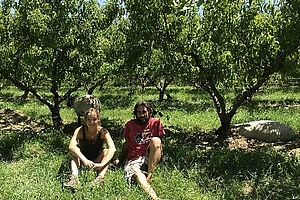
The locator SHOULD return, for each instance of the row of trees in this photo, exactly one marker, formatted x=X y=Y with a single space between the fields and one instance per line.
x=213 y=45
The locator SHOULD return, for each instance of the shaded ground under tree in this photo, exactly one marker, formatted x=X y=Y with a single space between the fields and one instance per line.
x=16 y=120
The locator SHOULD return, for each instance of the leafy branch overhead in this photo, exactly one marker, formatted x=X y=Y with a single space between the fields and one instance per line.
x=216 y=46
x=53 y=45
x=224 y=45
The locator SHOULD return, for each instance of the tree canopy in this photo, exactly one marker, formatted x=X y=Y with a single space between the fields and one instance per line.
x=214 y=45
x=230 y=45
x=55 y=44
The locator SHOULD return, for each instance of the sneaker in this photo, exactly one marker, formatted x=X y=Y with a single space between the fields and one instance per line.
x=73 y=182
x=98 y=179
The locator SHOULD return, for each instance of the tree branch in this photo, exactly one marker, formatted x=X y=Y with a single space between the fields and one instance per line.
x=248 y=93
x=25 y=87
x=70 y=91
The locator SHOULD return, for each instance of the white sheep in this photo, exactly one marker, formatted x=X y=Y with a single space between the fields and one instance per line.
x=85 y=102
x=265 y=130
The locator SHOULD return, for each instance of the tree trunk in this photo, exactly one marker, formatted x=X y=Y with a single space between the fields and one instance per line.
x=91 y=89
x=56 y=118
x=101 y=86
x=161 y=94
x=162 y=87
x=222 y=131
x=143 y=85
x=54 y=108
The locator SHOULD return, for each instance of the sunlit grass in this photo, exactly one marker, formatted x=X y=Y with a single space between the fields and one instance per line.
x=189 y=108
x=34 y=164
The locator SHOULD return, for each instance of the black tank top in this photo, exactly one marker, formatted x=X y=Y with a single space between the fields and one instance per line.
x=91 y=150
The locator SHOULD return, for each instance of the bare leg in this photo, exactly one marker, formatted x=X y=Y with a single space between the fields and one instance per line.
x=141 y=178
x=75 y=163
x=154 y=155
x=102 y=172
x=73 y=178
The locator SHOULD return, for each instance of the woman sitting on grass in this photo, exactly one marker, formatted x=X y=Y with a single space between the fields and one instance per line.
x=86 y=146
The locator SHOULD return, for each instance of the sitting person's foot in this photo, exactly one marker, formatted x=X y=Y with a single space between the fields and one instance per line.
x=73 y=181
x=98 y=179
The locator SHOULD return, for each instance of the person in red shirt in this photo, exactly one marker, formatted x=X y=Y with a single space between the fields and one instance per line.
x=142 y=148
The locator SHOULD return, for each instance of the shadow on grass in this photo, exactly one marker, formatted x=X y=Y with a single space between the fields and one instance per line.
x=124 y=101
x=214 y=166
x=13 y=143
x=269 y=172
x=15 y=100
x=211 y=165
x=292 y=89
x=10 y=142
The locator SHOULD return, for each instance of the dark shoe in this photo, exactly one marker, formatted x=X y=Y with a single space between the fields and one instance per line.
x=98 y=179
x=73 y=182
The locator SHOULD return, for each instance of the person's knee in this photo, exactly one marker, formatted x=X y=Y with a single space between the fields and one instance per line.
x=105 y=151
x=75 y=160
x=138 y=175
x=155 y=143
x=101 y=155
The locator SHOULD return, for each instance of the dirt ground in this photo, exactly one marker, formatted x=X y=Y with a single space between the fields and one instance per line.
x=247 y=144
x=16 y=120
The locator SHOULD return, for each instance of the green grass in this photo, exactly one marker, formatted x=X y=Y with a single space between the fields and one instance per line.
x=34 y=164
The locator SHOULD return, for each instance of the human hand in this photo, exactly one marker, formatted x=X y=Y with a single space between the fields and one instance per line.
x=88 y=163
x=117 y=162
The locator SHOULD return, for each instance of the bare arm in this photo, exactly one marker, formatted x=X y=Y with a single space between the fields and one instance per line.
x=75 y=151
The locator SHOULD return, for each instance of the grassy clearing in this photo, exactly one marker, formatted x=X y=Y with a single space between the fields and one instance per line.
x=34 y=164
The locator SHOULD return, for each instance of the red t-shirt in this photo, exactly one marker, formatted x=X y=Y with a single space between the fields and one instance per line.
x=139 y=136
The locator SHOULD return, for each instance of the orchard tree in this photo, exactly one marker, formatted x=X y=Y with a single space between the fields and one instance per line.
x=240 y=49
x=162 y=70
x=230 y=44
x=108 y=44
x=150 y=57
x=51 y=48
x=113 y=46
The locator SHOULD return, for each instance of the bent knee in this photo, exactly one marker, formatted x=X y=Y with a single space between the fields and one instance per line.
x=75 y=159
x=155 y=142
x=104 y=152
x=138 y=174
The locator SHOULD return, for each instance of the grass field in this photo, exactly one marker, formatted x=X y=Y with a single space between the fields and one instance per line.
x=34 y=161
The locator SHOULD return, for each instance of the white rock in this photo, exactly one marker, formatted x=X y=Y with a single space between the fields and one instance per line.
x=265 y=130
